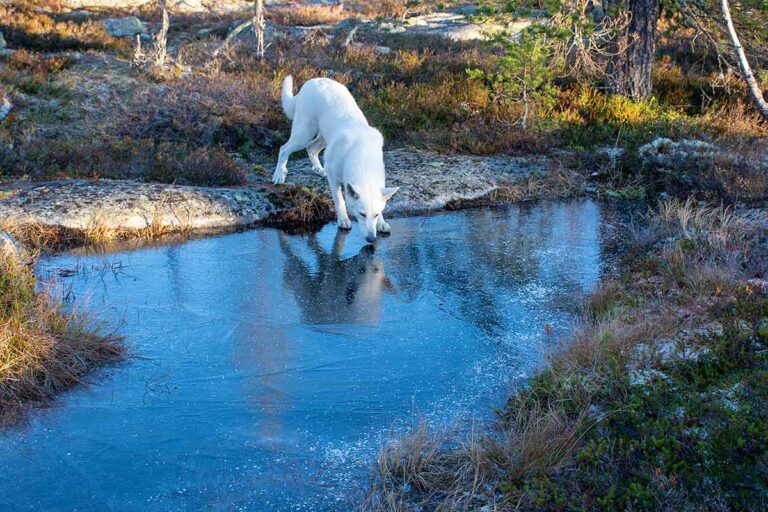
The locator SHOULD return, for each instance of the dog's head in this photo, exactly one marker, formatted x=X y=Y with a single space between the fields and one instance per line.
x=366 y=204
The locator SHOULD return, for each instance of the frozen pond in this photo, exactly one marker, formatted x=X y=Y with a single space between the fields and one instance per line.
x=269 y=367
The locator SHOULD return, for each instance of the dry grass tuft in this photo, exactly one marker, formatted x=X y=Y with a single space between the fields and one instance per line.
x=27 y=27
x=42 y=237
x=421 y=465
x=308 y=15
x=301 y=207
x=100 y=233
x=43 y=349
x=38 y=236
x=717 y=225
x=381 y=8
x=537 y=439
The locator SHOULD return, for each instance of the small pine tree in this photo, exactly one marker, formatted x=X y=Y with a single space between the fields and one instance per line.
x=526 y=72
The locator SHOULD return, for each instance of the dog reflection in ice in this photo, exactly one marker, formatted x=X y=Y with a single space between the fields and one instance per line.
x=332 y=290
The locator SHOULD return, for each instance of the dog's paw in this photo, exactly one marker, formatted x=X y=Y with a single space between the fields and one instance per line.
x=279 y=177
x=319 y=170
x=383 y=227
x=345 y=223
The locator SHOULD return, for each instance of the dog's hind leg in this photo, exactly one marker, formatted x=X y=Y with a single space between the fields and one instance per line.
x=302 y=133
x=341 y=206
x=313 y=150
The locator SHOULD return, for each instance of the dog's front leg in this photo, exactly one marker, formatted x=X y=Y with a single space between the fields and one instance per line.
x=382 y=226
x=302 y=133
x=341 y=206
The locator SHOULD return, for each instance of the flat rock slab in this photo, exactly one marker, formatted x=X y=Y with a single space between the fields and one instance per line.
x=453 y=26
x=126 y=204
x=428 y=182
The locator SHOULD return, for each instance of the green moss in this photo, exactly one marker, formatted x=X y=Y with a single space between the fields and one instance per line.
x=693 y=440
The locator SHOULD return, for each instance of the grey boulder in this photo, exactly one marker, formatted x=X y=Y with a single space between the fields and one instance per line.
x=129 y=26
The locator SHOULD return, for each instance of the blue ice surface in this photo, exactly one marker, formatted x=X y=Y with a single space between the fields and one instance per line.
x=266 y=369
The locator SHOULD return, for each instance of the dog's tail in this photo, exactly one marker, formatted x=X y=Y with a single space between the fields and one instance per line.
x=289 y=102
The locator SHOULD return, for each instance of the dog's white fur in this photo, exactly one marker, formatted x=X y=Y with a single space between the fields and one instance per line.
x=325 y=113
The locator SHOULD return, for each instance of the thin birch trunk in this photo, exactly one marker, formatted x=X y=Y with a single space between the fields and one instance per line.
x=258 y=28
x=161 y=39
x=746 y=71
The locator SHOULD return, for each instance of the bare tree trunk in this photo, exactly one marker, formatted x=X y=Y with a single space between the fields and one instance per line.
x=632 y=69
x=161 y=39
x=258 y=27
x=746 y=71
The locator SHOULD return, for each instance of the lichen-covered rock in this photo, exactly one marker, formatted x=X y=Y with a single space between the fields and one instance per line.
x=453 y=26
x=429 y=181
x=664 y=153
x=126 y=204
x=129 y=26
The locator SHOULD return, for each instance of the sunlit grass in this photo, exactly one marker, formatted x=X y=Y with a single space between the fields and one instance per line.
x=44 y=347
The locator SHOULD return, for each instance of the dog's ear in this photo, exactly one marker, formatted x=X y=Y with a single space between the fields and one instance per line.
x=387 y=193
x=352 y=192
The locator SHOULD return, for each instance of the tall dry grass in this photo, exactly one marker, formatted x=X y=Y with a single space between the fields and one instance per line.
x=43 y=347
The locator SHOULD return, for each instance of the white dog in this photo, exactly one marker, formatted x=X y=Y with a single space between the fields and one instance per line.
x=325 y=113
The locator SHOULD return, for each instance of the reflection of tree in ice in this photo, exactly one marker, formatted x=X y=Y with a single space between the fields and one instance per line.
x=490 y=264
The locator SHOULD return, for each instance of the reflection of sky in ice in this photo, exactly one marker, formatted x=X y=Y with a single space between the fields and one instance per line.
x=273 y=365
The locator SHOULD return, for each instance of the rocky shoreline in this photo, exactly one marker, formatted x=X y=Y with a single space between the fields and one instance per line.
x=428 y=182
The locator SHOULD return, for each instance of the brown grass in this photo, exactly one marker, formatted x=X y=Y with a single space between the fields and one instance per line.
x=43 y=237
x=27 y=27
x=43 y=348
x=127 y=158
x=301 y=207
x=416 y=465
x=307 y=15
x=39 y=236
x=384 y=8
x=98 y=232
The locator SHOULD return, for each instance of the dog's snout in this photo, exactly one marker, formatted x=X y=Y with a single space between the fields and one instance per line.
x=370 y=238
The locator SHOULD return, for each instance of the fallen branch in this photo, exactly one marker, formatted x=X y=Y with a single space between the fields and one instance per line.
x=258 y=24
x=351 y=35
x=243 y=26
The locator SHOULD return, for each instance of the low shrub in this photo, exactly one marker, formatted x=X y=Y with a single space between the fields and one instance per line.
x=307 y=15
x=200 y=166
x=126 y=158
x=32 y=29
